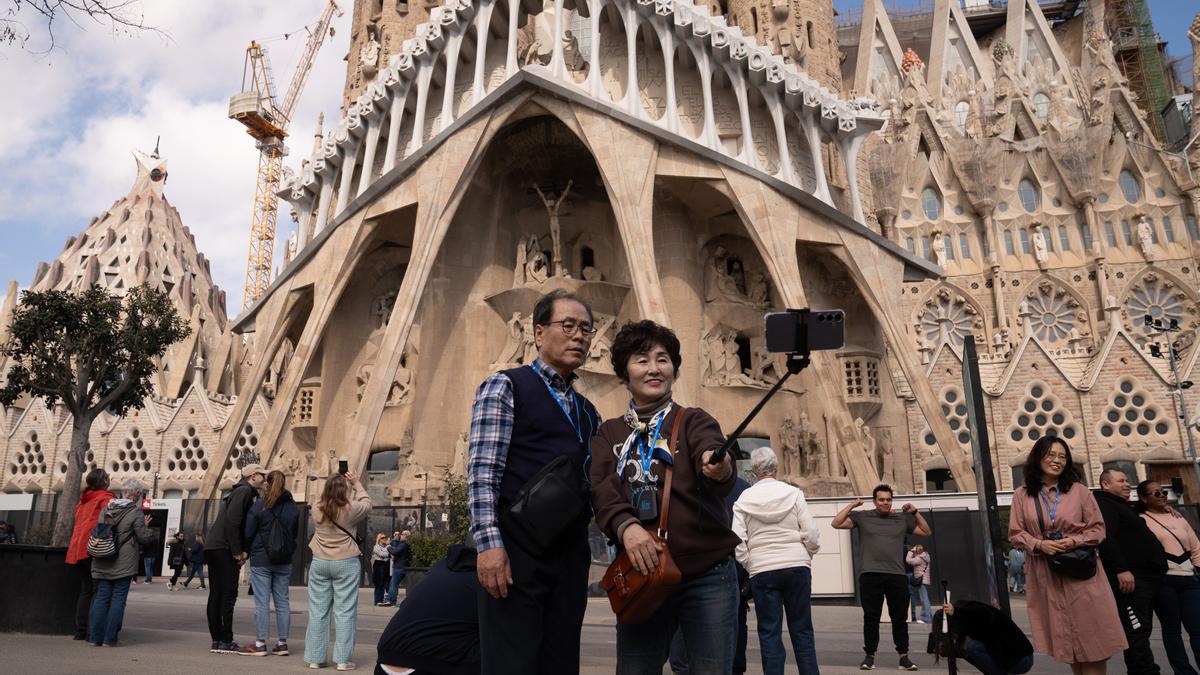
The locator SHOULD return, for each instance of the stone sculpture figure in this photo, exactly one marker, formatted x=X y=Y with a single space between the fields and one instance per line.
x=537 y=266
x=812 y=452
x=600 y=353
x=552 y=207
x=721 y=284
x=791 y=462
x=714 y=360
x=887 y=465
x=733 y=361
x=458 y=466
x=531 y=350
x=514 y=349
x=1039 y=246
x=368 y=57
x=572 y=58
x=757 y=289
x=1145 y=236
x=522 y=260
x=765 y=370
x=402 y=384
x=870 y=445
x=939 y=249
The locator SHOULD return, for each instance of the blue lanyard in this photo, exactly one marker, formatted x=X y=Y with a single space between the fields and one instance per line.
x=648 y=453
x=576 y=425
x=1050 y=510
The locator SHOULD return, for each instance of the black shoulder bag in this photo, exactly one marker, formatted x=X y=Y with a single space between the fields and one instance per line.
x=1078 y=563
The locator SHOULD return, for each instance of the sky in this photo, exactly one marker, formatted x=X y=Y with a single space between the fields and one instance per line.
x=70 y=118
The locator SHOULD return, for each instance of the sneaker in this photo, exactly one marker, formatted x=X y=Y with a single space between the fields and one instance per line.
x=230 y=648
x=922 y=621
x=346 y=666
x=316 y=666
x=906 y=664
x=253 y=650
x=216 y=648
x=280 y=649
x=868 y=662
x=385 y=603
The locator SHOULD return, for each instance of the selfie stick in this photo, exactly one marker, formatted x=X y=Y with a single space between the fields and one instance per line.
x=796 y=362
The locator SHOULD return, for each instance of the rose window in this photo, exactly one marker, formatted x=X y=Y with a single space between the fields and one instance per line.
x=1053 y=314
x=946 y=317
x=1160 y=300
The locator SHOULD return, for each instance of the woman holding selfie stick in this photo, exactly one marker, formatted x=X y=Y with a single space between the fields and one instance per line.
x=335 y=570
x=631 y=460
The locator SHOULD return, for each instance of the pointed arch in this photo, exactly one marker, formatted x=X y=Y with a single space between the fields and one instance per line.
x=1058 y=311
x=947 y=314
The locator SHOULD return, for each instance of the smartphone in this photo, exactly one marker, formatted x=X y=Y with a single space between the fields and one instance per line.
x=343 y=467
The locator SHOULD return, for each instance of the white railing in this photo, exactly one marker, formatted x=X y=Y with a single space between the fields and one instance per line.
x=468 y=49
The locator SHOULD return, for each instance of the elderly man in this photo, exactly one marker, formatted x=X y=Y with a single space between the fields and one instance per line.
x=526 y=420
x=226 y=551
x=1135 y=563
x=779 y=538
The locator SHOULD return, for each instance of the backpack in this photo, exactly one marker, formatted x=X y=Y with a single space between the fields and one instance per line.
x=102 y=543
x=279 y=544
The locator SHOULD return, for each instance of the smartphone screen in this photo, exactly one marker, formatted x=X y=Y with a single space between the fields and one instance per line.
x=343 y=466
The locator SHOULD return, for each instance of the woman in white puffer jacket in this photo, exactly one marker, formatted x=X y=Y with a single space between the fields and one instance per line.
x=779 y=538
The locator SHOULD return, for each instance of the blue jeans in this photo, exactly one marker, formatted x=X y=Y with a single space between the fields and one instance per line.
x=394 y=584
x=332 y=590
x=920 y=594
x=271 y=583
x=1018 y=581
x=1178 y=602
x=195 y=570
x=979 y=656
x=148 y=563
x=705 y=606
x=775 y=592
x=108 y=610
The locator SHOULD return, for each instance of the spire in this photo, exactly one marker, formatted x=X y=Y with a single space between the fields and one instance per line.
x=318 y=134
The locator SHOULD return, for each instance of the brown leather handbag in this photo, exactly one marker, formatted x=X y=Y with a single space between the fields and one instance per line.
x=635 y=596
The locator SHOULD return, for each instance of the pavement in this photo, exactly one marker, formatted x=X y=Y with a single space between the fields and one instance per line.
x=166 y=632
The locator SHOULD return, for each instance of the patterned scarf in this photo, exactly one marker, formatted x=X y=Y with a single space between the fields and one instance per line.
x=642 y=420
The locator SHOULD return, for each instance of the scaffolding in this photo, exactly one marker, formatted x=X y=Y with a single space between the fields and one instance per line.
x=1136 y=46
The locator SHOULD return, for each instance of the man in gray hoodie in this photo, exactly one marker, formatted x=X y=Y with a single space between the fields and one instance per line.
x=113 y=575
x=779 y=538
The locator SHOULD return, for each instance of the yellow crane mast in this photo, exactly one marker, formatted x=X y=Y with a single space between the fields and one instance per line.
x=267 y=122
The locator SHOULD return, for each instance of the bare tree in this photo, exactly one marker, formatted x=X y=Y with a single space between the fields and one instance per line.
x=25 y=18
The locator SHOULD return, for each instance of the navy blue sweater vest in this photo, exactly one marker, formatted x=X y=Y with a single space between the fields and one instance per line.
x=541 y=431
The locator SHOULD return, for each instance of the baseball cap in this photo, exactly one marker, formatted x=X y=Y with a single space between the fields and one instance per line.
x=251 y=469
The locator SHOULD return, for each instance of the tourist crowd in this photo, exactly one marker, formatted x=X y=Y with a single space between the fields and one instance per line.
x=695 y=543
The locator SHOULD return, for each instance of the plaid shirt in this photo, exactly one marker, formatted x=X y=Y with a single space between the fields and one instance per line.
x=491 y=433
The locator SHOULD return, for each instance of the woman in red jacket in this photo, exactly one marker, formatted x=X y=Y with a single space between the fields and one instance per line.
x=91 y=504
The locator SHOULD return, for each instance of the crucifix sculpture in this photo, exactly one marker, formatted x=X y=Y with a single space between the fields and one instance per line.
x=555 y=228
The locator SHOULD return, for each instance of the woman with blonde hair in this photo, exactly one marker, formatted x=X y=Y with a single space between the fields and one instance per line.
x=380 y=563
x=271 y=562
x=335 y=570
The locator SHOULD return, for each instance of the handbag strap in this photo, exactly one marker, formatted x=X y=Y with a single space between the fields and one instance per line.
x=1181 y=544
x=1037 y=500
x=666 y=508
x=353 y=537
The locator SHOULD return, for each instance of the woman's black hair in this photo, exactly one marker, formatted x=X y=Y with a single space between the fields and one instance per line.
x=1143 y=490
x=640 y=337
x=1033 y=466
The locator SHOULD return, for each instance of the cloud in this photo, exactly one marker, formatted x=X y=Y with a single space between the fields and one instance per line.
x=72 y=118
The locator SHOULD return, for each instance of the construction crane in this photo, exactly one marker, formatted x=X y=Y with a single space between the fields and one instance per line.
x=267 y=122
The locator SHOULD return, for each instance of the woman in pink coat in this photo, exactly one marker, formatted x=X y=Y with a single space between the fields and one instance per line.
x=1075 y=621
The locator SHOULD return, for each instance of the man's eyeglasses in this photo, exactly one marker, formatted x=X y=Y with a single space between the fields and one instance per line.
x=569 y=327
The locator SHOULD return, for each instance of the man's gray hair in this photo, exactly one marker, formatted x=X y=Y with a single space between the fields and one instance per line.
x=763 y=461
x=131 y=486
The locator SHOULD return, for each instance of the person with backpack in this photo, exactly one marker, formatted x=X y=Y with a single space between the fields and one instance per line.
x=336 y=570
x=95 y=497
x=196 y=562
x=176 y=558
x=271 y=530
x=113 y=546
x=225 y=552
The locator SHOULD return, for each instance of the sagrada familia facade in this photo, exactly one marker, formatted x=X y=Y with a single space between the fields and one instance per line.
x=699 y=164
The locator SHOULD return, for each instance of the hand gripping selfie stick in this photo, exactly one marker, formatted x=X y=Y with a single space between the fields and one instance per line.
x=796 y=362
x=797 y=333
